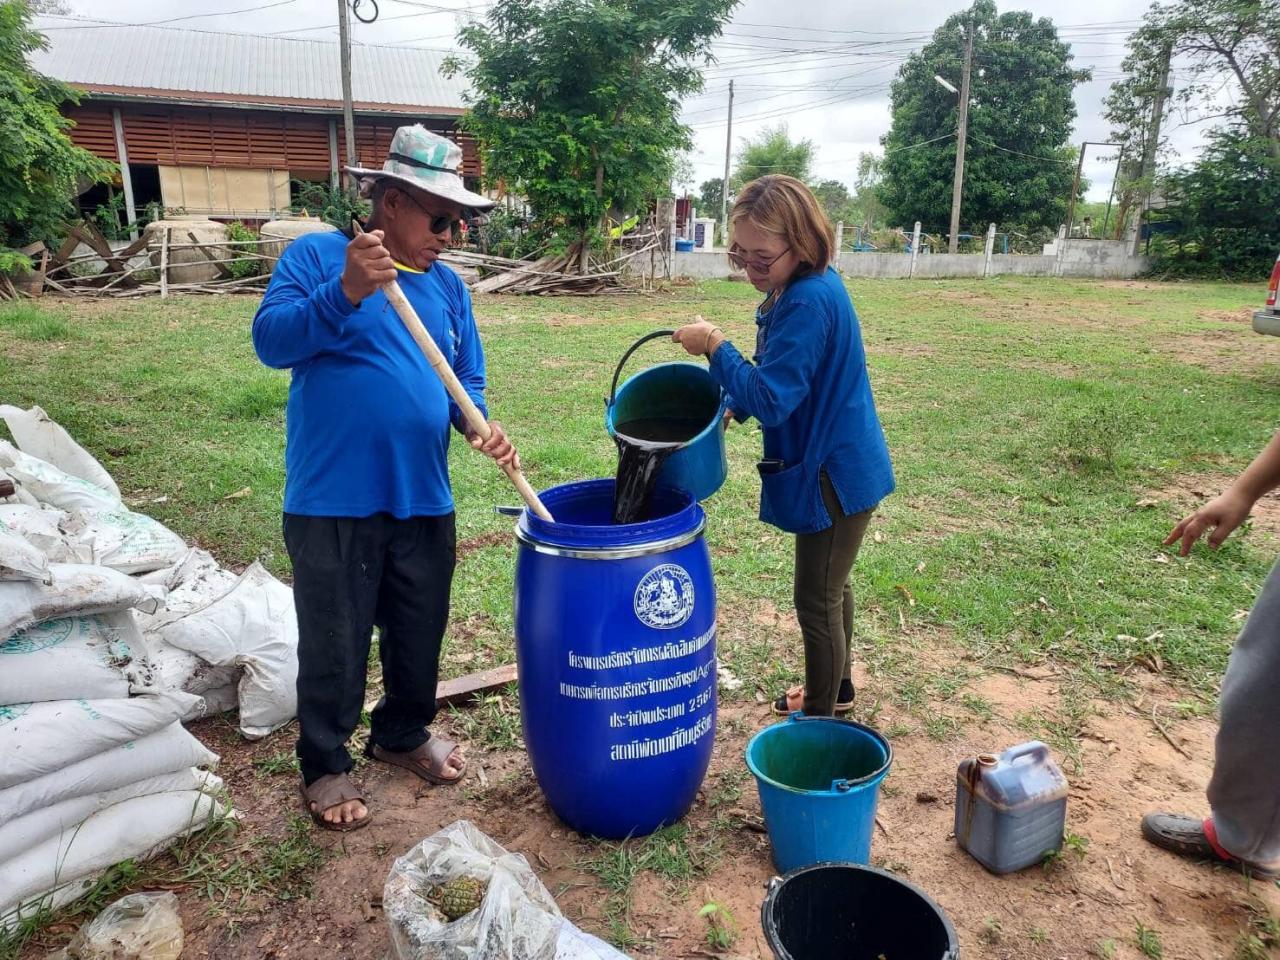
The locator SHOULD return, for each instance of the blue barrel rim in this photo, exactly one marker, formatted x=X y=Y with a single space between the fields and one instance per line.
x=777 y=883
x=797 y=717
x=684 y=524
x=713 y=425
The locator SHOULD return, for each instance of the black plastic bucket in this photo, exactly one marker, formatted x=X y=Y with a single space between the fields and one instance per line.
x=845 y=911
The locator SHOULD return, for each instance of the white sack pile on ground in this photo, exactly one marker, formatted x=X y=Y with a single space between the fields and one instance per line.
x=113 y=632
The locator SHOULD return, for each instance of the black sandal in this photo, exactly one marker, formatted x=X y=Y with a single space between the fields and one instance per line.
x=793 y=699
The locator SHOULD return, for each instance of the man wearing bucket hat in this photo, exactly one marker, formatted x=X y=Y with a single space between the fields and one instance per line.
x=368 y=509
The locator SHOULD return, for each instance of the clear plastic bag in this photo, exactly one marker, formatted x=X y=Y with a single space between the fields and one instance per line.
x=517 y=920
x=141 y=926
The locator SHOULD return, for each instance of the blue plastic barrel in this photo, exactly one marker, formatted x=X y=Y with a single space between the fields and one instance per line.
x=684 y=246
x=615 y=646
x=819 y=780
x=678 y=390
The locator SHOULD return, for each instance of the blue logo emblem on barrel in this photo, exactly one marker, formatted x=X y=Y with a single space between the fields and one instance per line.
x=664 y=598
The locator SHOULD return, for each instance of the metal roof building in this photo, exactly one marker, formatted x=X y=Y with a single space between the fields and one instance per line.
x=226 y=125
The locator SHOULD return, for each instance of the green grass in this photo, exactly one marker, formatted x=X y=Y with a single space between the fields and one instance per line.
x=28 y=322
x=1148 y=941
x=1032 y=422
x=676 y=855
x=1022 y=444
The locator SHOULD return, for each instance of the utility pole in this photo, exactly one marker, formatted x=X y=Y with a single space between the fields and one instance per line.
x=962 y=130
x=1075 y=187
x=724 y=184
x=1112 y=195
x=348 y=119
x=1152 y=143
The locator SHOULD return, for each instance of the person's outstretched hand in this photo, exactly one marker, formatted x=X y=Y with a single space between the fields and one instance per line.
x=1223 y=514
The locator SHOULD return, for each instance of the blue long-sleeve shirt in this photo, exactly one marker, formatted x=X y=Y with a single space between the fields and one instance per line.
x=367 y=423
x=808 y=387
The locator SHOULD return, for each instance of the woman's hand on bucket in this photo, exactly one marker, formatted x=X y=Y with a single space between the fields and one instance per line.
x=699 y=338
x=498 y=445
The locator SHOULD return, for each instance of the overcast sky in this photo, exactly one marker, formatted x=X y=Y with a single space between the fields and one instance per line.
x=803 y=62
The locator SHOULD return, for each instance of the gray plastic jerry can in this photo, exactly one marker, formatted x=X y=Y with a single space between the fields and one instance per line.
x=1011 y=810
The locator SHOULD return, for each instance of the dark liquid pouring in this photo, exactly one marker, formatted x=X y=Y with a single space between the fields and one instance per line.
x=643 y=446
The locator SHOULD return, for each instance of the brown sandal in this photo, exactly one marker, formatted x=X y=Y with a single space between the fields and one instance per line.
x=329 y=791
x=426 y=761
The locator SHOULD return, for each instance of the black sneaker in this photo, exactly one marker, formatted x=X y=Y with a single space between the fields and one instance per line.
x=1196 y=838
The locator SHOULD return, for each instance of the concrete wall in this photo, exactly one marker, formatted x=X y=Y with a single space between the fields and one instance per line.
x=1099 y=259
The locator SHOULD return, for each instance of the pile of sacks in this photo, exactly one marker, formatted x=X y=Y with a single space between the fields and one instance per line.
x=113 y=632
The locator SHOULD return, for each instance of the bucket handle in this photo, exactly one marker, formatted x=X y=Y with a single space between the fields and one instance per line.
x=613 y=390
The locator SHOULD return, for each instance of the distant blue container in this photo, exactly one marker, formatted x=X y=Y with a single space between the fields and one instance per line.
x=819 y=780
x=615 y=647
x=682 y=391
x=684 y=246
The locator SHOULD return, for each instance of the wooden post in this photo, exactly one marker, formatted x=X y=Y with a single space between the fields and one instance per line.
x=1061 y=251
x=991 y=248
x=724 y=184
x=915 y=250
x=962 y=132
x=164 y=263
x=1151 y=146
x=839 y=242
x=130 y=211
x=348 y=118
x=334 y=170
x=1075 y=188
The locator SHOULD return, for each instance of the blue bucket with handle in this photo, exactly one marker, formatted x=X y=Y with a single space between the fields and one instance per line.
x=679 y=391
x=819 y=781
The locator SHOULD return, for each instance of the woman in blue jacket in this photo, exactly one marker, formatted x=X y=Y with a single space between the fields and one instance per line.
x=826 y=465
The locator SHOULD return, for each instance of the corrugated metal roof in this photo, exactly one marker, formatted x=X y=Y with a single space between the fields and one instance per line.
x=94 y=55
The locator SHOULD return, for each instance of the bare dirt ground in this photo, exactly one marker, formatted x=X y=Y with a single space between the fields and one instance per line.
x=1151 y=749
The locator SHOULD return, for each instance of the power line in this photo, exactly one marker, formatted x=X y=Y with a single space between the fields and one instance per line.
x=93 y=24
x=1029 y=156
x=334 y=26
x=922 y=143
x=826 y=101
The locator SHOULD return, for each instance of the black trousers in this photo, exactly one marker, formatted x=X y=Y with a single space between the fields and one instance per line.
x=350 y=574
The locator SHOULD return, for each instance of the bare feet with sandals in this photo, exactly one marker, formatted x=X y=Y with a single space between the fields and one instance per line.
x=336 y=803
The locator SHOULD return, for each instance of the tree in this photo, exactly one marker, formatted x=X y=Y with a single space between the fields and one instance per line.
x=56 y=7
x=40 y=167
x=869 y=211
x=1212 y=40
x=1226 y=205
x=773 y=151
x=709 y=196
x=576 y=102
x=836 y=200
x=1018 y=164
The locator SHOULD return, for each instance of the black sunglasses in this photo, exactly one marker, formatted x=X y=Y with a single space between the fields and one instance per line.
x=440 y=223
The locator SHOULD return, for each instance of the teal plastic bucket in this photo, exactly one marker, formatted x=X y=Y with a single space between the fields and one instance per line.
x=819 y=781
x=679 y=391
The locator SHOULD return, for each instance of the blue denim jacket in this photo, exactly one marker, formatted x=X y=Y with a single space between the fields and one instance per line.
x=808 y=387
